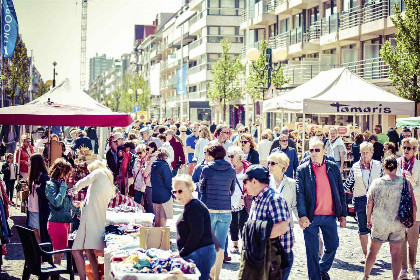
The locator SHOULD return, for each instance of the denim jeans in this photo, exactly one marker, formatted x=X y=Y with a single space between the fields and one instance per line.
x=220 y=223
x=138 y=195
x=286 y=272
x=328 y=226
x=362 y=222
x=204 y=259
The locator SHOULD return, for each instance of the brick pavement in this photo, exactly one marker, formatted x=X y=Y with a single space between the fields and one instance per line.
x=346 y=264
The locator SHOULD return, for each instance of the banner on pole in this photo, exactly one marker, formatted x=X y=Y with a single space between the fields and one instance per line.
x=9 y=28
x=181 y=80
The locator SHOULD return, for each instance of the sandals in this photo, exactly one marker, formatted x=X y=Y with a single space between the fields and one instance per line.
x=235 y=250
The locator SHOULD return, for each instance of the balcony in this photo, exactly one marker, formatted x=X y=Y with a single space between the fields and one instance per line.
x=303 y=4
x=315 y=32
x=297 y=74
x=195 y=4
x=329 y=31
x=369 y=69
x=257 y=16
x=172 y=81
x=211 y=44
x=300 y=43
x=282 y=9
x=279 y=42
x=214 y=16
x=350 y=23
x=199 y=73
x=374 y=19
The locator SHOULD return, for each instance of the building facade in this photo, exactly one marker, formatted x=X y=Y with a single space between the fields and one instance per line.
x=98 y=65
x=191 y=37
x=320 y=35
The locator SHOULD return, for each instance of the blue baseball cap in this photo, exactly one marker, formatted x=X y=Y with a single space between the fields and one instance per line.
x=256 y=171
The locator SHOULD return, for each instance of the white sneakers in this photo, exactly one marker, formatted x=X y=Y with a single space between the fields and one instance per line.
x=413 y=274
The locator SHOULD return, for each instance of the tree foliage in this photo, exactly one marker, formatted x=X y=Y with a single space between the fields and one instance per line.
x=404 y=58
x=128 y=101
x=16 y=72
x=225 y=85
x=258 y=79
x=42 y=89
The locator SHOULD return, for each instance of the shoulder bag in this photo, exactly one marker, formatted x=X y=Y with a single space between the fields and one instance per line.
x=405 y=211
x=246 y=198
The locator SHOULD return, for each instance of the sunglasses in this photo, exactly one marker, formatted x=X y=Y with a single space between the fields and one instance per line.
x=284 y=141
x=205 y=153
x=183 y=131
x=174 y=192
x=231 y=156
x=407 y=148
x=242 y=131
x=200 y=131
x=314 y=150
x=272 y=163
x=225 y=132
x=244 y=142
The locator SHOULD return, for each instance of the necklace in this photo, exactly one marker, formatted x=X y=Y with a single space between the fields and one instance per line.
x=365 y=165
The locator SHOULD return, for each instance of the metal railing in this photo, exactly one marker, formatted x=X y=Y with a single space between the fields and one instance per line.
x=196 y=43
x=351 y=18
x=315 y=31
x=199 y=68
x=254 y=45
x=329 y=24
x=230 y=39
x=375 y=10
x=272 y=5
x=258 y=9
x=301 y=73
x=369 y=69
x=280 y=41
x=224 y=11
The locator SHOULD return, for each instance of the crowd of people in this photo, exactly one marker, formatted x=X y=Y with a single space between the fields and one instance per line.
x=234 y=187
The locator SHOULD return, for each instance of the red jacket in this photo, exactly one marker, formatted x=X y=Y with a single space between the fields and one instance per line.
x=179 y=155
x=23 y=158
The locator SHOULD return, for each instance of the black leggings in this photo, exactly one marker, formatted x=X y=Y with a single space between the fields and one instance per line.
x=238 y=221
x=10 y=186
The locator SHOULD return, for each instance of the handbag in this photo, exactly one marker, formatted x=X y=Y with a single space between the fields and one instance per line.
x=405 y=211
x=246 y=197
x=155 y=237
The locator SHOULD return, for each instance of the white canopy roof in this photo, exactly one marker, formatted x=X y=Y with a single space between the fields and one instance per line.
x=339 y=91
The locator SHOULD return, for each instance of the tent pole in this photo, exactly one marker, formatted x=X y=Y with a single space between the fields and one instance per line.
x=18 y=150
x=303 y=135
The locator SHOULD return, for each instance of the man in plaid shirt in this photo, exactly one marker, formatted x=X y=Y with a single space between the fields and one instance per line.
x=268 y=205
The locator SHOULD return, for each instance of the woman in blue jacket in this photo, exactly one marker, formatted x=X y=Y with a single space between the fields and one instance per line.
x=218 y=184
x=161 y=180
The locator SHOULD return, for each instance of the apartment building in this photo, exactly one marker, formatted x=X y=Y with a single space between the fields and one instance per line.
x=320 y=35
x=191 y=37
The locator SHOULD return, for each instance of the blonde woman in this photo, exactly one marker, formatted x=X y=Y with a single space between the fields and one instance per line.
x=278 y=163
x=362 y=173
x=205 y=138
x=409 y=167
x=194 y=238
x=248 y=147
x=92 y=225
x=138 y=176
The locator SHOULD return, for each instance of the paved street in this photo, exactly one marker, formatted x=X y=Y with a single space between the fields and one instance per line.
x=346 y=264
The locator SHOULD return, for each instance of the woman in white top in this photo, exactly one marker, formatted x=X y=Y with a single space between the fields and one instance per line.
x=92 y=225
x=205 y=138
x=361 y=175
x=239 y=213
x=409 y=167
x=139 y=183
x=263 y=148
x=286 y=187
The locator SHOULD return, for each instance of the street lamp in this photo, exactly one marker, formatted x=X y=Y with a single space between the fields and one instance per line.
x=139 y=91
x=54 y=64
x=109 y=102
x=253 y=55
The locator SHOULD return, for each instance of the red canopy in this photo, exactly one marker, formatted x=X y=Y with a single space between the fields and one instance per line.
x=64 y=105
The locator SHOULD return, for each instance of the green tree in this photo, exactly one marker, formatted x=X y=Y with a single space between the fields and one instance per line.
x=404 y=58
x=42 y=89
x=131 y=93
x=225 y=85
x=256 y=82
x=16 y=71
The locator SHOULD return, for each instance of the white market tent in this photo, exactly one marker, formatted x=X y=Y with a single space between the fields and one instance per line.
x=339 y=92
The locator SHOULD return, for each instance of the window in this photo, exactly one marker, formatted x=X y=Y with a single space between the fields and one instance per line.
x=227 y=30
x=284 y=25
x=213 y=30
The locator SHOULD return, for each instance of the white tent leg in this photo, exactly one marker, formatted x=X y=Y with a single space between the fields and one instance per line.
x=282 y=120
x=303 y=135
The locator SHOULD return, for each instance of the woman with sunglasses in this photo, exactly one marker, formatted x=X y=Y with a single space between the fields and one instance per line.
x=361 y=175
x=291 y=154
x=139 y=184
x=239 y=212
x=194 y=236
x=248 y=147
x=278 y=163
x=409 y=167
x=151 y=149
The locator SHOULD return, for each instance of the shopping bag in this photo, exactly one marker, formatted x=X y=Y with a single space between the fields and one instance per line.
x=155 y=237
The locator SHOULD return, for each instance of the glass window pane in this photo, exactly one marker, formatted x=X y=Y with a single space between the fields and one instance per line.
x=227 y=30
x=213 y=30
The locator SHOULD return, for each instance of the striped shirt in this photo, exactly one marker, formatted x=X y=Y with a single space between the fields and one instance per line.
x=268 y=205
